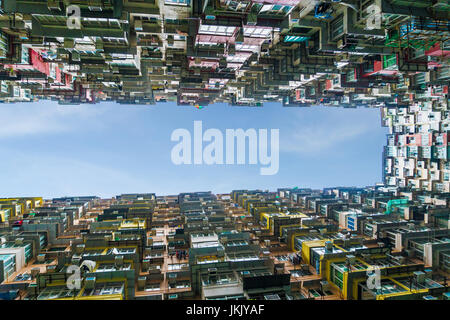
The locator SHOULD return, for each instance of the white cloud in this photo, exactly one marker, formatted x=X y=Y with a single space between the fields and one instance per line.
x=314 y=138
x=41 y=118
x=53 y=176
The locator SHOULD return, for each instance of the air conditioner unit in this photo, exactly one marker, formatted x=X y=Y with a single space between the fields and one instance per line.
x=53 y=5
x=89 y=283
x=351 y=259
x=141 y=282
x=279 y=270
x=34 y=272
x=76 y=56
x=118 y=261
x=51 y=269
x=32 y=289
x=325 y=285
x=252 y=19
x=154 y=270
x=69 y=43
x=295 y=16
x=76 y=261
x=138 y=25
x=419 y=276
x=428 y=273
x=95 y=5
x=212 y=271
x=145 y=264
x=79 y=248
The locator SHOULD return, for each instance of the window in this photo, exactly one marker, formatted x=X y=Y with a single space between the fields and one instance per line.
x=108 y=289
x=243 y=257
x=237 y=5
x=152 y=287
x=246 y=47
x=112 y=267
x=177 y=266
x=217 y=30
x=275 y=9
x=179 y=2
x=337 y=27
x=236 y=59
x=336 y=275
x=257 y=32
x=180 y=285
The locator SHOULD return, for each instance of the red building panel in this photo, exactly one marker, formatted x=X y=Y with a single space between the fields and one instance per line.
x=38 y=63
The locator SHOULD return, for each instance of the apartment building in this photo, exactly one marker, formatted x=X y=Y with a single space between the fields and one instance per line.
x=244 y=53
x=291 y=244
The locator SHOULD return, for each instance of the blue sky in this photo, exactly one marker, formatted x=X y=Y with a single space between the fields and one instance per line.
x=107 y=149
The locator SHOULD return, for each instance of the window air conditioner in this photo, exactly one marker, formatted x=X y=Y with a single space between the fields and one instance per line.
x=95 y=5
x=53 y=5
